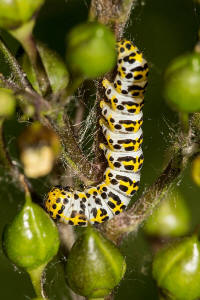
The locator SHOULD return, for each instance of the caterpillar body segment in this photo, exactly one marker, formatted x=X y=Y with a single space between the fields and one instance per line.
x=121 y=123
x=121 y=103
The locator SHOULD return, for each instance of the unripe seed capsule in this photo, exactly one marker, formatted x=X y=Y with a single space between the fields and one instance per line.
x=95 y=265
x=90 y=50
x=31 y=240
x=14 y=13
x=182 y=83
x=171 y=218
x=176 y=269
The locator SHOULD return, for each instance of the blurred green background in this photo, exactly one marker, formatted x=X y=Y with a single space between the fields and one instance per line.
x=162 y=30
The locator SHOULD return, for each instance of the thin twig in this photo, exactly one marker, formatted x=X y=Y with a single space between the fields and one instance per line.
x=15 y=69
x=27 y=94
x=79 y=118
x=4 y=158
x=113 y=13
x=72 y=153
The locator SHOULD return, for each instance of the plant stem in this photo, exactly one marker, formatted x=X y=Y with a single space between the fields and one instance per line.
x=16 y=71
x=25 y=37
x=37 y=281
x=73 y=86
x=4 y=158
x=71 y=151
x=114 y=13
x=184 y=119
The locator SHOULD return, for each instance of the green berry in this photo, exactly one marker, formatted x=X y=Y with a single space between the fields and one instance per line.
x=31 y=240
x=176 y=269
x=182 y=83
x=90 y=50
x=171 y=218
x=95 y=265
x=14 y=13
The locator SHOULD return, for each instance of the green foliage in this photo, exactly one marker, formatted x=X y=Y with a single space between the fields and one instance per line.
x=90 y=50
x=182 y=83
x=176 y=269
x=31 y=240
x=7 y=103
x=14 y=13
x=54 y=66
x=95 y=266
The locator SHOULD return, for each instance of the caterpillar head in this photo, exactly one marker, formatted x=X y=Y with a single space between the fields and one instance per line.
x=125 y=47
x=57 y=200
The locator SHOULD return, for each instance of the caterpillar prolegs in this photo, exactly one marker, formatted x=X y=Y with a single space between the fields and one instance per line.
x=121 y=125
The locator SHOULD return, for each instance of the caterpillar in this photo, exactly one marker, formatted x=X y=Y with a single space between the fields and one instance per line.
x=121 y=123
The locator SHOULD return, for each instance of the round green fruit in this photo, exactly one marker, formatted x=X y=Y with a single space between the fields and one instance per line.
x=176 y=269
x=32 y=239
x=95 y=265
x=90 y=50
x=182 y=83
x=171 y=218
x=14 y=13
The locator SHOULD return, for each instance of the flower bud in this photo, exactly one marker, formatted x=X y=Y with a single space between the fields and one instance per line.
x=95 y=265
x=90 y=50
x=7 y=103
x=171 y=218
x=14 y=13
x=182 y=83
x=196 y=170
x=39 y=147
x=54 y=67
x=176 y=269
x=31 y=240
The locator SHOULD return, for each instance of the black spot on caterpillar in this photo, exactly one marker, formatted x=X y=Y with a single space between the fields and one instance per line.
x=121 y=125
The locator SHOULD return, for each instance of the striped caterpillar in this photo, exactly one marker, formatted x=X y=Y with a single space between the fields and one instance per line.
x=121 y=125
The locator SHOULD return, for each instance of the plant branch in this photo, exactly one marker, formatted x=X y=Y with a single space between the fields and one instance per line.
x=44 y=111
x=72 y=153
x=14 y=67
x=48 y=116
x=24 y=35
x=37 y=280
x=113 y=13
x=4 y=158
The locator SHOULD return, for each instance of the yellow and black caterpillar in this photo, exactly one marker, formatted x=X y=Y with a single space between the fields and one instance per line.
x=121 y=125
